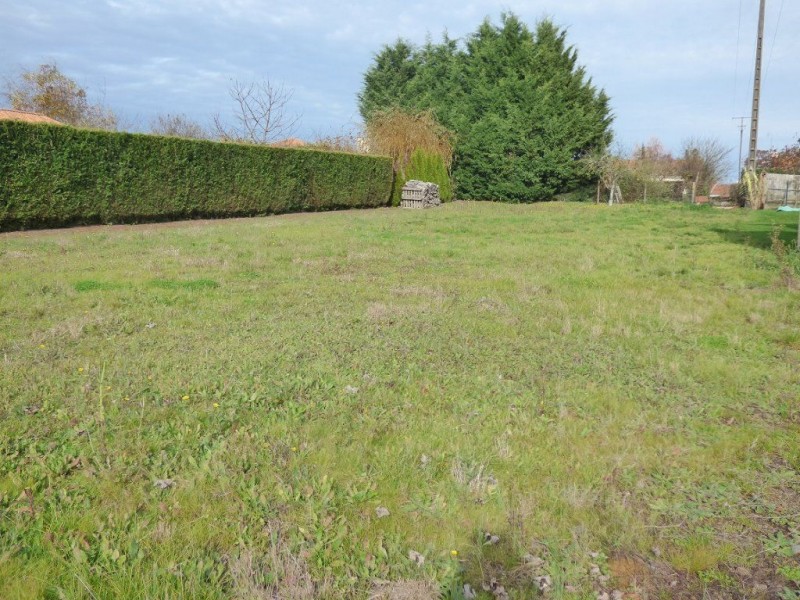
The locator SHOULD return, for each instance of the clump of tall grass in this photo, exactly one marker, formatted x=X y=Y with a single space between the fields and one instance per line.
x=788 y=261
x=756 y=187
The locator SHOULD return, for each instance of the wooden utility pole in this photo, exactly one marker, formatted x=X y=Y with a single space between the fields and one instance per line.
x=756 y=88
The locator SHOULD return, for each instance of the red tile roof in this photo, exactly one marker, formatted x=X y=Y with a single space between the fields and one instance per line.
x=289 y=143
x=721 y=190
x=9 y=114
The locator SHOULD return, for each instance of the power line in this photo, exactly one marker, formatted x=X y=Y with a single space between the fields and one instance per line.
x=774 y=37
x=736 y=67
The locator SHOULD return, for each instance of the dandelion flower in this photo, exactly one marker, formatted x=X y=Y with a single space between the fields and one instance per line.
x=41 y=345
x=80 y=369
x=294 y=448
x=216 y=404
x=453 y=552
x=185 y=398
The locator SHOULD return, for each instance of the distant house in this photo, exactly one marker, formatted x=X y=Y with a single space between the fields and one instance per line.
x=721 y=193
x=9 y=114
x=676 y=185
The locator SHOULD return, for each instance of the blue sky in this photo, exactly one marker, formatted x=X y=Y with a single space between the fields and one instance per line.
x=673 y=69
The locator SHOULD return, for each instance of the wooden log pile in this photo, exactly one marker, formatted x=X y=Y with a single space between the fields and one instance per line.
x=420 y=194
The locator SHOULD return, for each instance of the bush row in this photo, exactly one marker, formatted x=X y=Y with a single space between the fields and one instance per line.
x=55 y=175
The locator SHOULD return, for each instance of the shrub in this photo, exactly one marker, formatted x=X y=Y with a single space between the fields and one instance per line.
x=424 y=166
x=55 y=176
x=419 y=146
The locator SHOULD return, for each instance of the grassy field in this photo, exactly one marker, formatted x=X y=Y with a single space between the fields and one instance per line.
x=565 y=399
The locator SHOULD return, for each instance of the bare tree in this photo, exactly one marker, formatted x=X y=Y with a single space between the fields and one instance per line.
x=260 y=113
x=178 y=126
x=704 y=161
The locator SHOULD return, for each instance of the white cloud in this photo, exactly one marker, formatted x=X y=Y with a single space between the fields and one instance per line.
x=670 y=67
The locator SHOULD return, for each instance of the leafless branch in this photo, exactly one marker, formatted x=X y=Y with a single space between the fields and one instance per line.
x=260 y=115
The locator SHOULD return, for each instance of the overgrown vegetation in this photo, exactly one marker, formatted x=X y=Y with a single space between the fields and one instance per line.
x=650 y=172
x=785 y=160
x=178 y=125
x=52 y=175
x=523 y=111
x=755 y=187
x=378 y=403
x=788 y=259
x=419 y=146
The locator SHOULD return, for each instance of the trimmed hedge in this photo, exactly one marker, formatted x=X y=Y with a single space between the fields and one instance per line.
x=54 y=175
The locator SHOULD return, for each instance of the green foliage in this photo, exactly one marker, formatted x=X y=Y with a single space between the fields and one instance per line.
x=53 y=176
x=786 y=160
x=425 y=166
x=48 y=91
x=430 y=167
x=412 y=136
x=522 y=109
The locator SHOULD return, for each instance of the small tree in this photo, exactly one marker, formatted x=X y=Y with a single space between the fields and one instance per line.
x=609 y=170
x=46 y=90
x=651 y=164
x=704 y=161
x=178 y=126
x=260 y=114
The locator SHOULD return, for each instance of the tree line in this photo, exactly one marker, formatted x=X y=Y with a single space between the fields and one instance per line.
x=521 y=109
x=260 y=114
x=510 y=110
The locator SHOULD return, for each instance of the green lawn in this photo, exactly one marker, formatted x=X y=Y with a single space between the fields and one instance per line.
x=216 y=410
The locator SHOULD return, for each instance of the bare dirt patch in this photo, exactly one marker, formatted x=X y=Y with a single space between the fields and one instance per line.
x=405 y=590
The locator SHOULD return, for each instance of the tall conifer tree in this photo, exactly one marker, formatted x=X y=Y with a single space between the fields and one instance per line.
x=522 y=109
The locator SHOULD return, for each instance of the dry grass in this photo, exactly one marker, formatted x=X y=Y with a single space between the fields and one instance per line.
x=398 y=133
